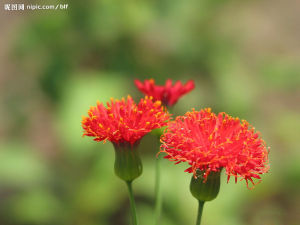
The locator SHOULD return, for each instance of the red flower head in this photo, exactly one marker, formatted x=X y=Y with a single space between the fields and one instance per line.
x=168 y=94
x=210 y=142
x=124 y=121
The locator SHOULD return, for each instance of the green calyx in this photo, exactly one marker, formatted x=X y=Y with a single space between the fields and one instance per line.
x=205 y=190
x=158 y=131
x=128 y=164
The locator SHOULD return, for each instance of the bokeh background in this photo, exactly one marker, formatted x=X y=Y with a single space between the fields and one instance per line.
x=243 y=56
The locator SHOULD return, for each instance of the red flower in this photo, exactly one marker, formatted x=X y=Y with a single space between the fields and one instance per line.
x=210 y=142
x=168 y=94
x=124 y=121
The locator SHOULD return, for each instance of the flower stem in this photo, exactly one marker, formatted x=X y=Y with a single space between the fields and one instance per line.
x=158 y=196
x=200 y=209
x=132 y=203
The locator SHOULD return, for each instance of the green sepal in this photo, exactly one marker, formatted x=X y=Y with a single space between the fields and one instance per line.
x=208 y=190
x=158 y=132
x=128 y=165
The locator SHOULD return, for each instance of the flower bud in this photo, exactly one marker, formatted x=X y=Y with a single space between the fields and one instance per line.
x=128 y=164
x=205 y=188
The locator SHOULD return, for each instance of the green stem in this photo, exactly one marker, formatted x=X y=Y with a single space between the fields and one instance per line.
x=200 y=209
x=132 y=203
x=158 y=195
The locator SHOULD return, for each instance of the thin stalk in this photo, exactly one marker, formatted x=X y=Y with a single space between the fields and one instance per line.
x=132 y=203
x=200 y=209
x=158 y=195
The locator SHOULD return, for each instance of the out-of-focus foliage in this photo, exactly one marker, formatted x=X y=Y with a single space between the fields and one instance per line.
x=67 y=60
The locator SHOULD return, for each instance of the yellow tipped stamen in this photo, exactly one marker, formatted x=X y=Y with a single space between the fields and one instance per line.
x=157 y=103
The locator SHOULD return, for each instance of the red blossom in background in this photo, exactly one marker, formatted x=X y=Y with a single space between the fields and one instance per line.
x=210 y=142
x=123 y=120
x=168 y=94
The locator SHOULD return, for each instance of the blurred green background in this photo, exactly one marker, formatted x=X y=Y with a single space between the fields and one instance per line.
x=243 y=56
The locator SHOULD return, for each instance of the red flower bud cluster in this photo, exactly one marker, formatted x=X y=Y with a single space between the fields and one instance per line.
x=168 y=94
